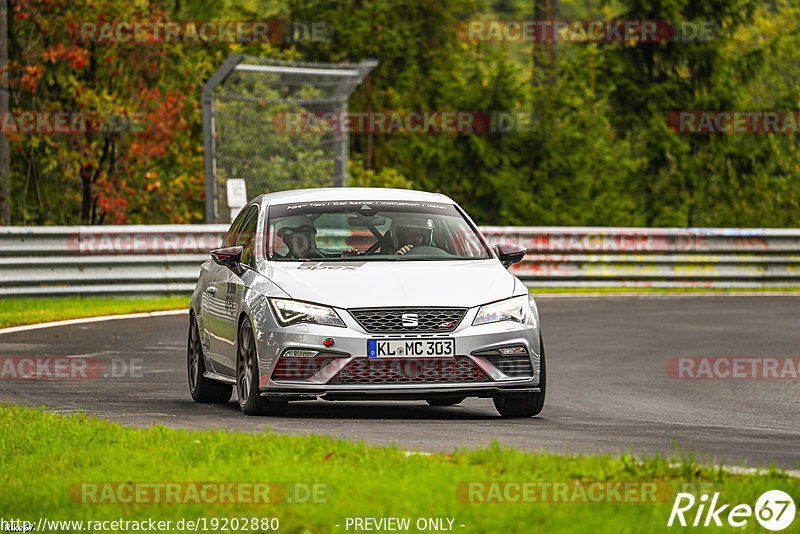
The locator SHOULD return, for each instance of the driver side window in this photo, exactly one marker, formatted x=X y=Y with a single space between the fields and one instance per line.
x=230 y=237
x=246 y=236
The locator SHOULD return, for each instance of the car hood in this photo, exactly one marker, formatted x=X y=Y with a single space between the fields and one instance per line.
x=354 y=284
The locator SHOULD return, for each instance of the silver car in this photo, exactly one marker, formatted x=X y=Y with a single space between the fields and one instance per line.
x=363 y=294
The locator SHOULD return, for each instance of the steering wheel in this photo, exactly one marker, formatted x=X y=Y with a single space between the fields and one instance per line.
x=427 y=250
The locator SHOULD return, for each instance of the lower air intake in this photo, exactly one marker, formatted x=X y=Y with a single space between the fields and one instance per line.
x=516 y=366
x=299 y=368
x=410 y=371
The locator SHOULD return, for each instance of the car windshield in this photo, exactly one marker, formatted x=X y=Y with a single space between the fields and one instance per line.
x=371 y=231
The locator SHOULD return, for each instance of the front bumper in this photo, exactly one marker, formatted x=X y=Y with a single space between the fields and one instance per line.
x=472 y=345
x=399 y=393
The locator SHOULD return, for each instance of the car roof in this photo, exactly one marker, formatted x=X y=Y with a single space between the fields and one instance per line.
x=351 y=193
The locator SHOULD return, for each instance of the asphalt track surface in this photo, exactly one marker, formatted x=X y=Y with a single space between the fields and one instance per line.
x=608 y=387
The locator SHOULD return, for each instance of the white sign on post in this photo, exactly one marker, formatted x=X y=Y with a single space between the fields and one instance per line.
x=237 y=196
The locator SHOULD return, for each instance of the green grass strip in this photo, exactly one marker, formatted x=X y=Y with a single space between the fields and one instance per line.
x=45 y=458
x=20 y=311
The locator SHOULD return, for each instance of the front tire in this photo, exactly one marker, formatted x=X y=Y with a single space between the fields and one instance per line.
x=529 y=404
x=203 y=390
x=247 y=378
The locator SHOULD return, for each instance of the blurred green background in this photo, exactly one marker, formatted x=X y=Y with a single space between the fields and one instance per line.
x=598 y=150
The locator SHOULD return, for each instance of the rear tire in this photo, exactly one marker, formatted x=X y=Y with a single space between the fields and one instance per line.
x=247 y=378
x=529 y=404
x=445 y=401
x=203 y=390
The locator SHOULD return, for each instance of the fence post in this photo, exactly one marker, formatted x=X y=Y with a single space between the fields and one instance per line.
x=209 y=148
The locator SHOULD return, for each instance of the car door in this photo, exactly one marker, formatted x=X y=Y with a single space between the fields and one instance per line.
x=230 y=291
x=215 y=315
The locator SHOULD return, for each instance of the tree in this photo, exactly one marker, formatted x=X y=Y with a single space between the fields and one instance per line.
x=685 y=177
x=153 y=174
x=5 y=163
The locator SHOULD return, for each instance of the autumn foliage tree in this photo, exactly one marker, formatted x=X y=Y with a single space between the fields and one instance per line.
x=149 y=166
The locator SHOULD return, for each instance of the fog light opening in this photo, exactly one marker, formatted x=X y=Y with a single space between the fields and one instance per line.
x=300 y=353
x=518 y=350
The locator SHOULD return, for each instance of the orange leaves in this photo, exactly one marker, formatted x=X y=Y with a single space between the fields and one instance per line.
x=109 y=194
x=75 y=56
x=154 y=185
x=22 y=9
x=135 y=173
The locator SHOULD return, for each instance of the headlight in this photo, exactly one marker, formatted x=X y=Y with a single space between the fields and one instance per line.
x=291 y=312
x=515 y=309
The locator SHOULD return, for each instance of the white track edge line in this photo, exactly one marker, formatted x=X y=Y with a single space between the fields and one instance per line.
x=83 y=320
x=739 y=470
x=730 y=469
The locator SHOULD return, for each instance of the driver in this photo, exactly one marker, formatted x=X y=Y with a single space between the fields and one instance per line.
x=411 y=231
x=300 y=236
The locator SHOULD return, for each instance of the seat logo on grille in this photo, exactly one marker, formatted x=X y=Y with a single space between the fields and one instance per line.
x=410 y=319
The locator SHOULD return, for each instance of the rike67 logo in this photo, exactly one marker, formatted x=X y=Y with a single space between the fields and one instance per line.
x=774 y=510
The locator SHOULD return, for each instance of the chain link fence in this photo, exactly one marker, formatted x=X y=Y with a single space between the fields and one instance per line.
x=246 y=104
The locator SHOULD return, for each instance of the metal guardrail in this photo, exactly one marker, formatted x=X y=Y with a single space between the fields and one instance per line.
x=127 y=260
x=110 y=260
x=655 y=257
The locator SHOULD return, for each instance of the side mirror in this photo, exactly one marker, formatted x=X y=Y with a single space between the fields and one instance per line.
x=228 y=256
x=510 y=254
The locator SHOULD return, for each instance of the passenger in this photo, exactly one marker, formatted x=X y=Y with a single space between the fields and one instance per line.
x=300 y=236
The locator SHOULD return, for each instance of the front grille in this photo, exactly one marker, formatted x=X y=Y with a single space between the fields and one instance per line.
x=409 y=371
x=512 y=365
x=390 y=320
x=299 y=368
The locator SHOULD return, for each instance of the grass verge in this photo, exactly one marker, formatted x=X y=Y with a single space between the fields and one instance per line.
x=20 y=311
x=45 y=458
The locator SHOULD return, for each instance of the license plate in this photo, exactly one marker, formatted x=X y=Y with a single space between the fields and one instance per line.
x=411 y=348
